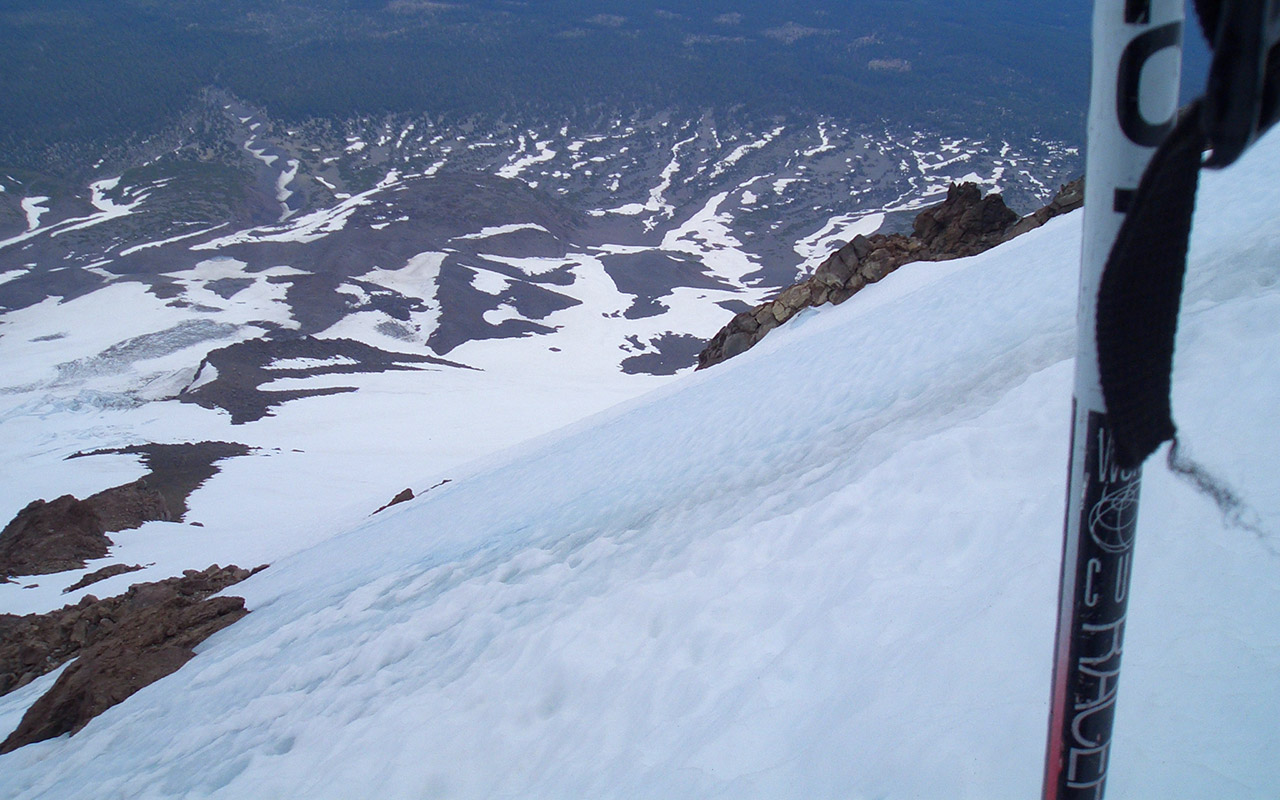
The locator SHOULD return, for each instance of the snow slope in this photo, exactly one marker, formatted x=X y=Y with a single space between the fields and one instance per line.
x=827 y=568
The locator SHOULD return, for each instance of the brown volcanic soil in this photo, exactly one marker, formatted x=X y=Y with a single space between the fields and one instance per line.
x=177 y=470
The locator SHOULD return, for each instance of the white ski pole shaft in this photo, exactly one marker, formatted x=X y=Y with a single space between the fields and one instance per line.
x=1133 y=102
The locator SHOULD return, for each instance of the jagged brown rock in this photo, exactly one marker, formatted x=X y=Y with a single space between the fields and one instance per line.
x=1068 y=198
x=965 y=224
x=65 y=533
x=101 y=575
x=51 y=537
x=404 y=497
x=120 y=644
x=35 y=644
x=123 y=508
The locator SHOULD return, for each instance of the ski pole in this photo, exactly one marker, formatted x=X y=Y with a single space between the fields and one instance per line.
x=1133 y=103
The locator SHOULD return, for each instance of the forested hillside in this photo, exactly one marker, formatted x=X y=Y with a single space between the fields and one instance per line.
x=93 y=70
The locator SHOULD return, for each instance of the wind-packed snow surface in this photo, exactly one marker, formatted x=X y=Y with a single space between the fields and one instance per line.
x=827 y=568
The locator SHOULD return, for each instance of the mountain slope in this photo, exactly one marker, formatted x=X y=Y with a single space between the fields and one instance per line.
x=827 y=568
x=369 y=303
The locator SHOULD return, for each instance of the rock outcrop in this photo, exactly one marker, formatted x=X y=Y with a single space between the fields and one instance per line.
x=109 y=571
x=120 y=644
x=1068 y=198
x=177 y=470
x=408 y=494
x=404 y=497
x=65 y=533
x=47 y=537
x=965 y=224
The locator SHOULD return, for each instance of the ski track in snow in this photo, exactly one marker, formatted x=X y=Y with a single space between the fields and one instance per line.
x=827 y=568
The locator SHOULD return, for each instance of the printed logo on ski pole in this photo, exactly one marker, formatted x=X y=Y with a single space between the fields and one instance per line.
x=1112 y=519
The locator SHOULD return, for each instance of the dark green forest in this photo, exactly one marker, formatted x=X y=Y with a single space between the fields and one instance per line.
x=81 y=71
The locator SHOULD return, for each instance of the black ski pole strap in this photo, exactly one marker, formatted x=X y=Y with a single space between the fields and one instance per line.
x=1207 y=12
x=1141 y=292
x=1243 y=96
x=1141 y=288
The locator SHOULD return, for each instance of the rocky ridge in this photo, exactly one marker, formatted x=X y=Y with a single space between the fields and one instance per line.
x=403 y=497
x=96 y=576
x=964 y=224
x=65 y=533
x=120 y=644
x=48 y=537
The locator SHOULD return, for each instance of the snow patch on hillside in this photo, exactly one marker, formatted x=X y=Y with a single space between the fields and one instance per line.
x=499 y=230
x=524 y=160
x=709 y=236
x=838 y=231
x=34 y=208
x=309 y=227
